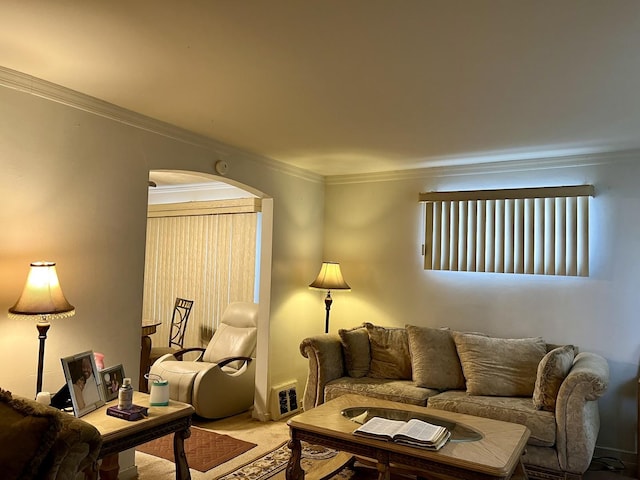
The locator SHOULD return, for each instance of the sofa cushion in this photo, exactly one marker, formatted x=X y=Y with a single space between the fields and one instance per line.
x=552 y=370
x=509 y=409
x=434 y=359
x=390 y=357
x=404 y=391
x=21 y=454
x=355 y=347
x=499 y=366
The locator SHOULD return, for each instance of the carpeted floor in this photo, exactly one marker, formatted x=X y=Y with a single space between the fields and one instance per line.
x=266 y=435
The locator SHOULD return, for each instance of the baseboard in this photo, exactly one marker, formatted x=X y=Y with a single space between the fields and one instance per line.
x=262 y=416
x=258 y=414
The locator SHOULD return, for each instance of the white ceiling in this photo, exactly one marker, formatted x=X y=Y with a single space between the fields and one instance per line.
x=351 y=86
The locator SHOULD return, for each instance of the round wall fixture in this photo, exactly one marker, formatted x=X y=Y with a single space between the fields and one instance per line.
x=221 y=167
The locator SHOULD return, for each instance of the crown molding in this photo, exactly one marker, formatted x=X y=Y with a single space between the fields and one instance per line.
x=465 y=166
x=505 y=166
x=50 y=91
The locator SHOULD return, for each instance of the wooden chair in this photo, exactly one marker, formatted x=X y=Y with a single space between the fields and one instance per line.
x=179 y=319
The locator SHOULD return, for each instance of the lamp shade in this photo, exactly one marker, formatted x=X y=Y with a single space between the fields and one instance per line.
x=330 y=278
x=42 y=294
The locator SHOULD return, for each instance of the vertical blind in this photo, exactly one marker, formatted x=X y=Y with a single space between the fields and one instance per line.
x=530 y=230
x=206 y=258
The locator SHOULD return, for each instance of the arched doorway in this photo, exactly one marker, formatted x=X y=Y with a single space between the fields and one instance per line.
x=217 y=221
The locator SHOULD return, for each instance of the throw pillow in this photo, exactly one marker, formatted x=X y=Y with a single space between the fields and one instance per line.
x=434 y=358
x=505 y=367
x=27 y=432
x=552 y=371
x=389 y=353
x=357 y=353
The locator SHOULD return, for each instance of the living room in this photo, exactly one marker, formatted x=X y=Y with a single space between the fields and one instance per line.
x=74 y=183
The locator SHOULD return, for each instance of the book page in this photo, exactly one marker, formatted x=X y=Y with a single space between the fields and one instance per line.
x=422 y=431
x=381 y=427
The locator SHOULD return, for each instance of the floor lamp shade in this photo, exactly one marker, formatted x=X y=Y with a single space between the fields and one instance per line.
x=42 y=297
x=329 y=278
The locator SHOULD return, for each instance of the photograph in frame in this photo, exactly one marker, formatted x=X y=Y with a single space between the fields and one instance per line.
x=84 y=382
x=111 y=379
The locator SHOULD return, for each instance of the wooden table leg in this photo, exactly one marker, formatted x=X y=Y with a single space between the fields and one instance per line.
x=182 y=467
x=145 y=353
x=384 y=470
x=294 y=469
x=520 y=473
x=109 y=468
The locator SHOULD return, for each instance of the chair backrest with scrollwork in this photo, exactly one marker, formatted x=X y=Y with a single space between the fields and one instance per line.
x=181 y=312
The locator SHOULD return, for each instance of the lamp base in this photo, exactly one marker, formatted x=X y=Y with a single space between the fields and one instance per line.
x=327 y=301
x=43 y=328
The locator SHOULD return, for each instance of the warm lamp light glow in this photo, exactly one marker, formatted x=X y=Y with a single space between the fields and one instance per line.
x=42 y=297
x=42 y=294
x=329 y=278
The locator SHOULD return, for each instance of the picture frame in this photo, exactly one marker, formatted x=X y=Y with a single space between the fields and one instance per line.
x=84 y=382
x=111 y=381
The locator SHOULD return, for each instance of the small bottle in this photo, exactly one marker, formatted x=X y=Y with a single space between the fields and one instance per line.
x=125 y=395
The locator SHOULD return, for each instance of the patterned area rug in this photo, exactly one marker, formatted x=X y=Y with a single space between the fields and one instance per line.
x=275 y=462
x=204 y=449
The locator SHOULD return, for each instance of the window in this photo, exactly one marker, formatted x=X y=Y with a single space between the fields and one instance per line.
x=527 y=230
x=204 y=251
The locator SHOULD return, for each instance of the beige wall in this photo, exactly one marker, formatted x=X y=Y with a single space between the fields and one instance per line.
x=74 y=190
x=373 y=229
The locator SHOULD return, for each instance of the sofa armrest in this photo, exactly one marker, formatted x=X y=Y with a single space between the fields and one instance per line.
x=75 y=449
x=577 y=413
x=326 y=363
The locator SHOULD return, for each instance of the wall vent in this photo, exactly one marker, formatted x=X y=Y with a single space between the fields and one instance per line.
x=284 y=400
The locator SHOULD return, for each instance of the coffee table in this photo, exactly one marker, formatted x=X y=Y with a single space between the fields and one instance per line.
x=119 y=435
x=495 y=455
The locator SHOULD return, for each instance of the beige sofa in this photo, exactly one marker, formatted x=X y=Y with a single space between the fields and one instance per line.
x=551 y=389
x=41 y=443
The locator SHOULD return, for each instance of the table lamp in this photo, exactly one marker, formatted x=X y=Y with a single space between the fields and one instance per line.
x=329 y=278
x=42 y=297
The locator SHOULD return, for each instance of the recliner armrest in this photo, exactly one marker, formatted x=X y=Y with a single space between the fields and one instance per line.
x=180 y=353
x=228 y=360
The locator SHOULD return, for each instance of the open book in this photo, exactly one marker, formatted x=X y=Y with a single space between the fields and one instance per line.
x=415 y=433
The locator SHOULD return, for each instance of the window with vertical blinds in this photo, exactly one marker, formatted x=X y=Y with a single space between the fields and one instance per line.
x=529 y=230
x=202 y=251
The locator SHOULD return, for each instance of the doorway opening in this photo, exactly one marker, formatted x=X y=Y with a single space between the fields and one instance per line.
x=208 y=240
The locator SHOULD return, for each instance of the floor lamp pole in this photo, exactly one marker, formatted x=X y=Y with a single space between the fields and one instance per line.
x=327 y=301
x=43 y=327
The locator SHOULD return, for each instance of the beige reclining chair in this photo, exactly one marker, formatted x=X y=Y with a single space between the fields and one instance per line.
x=222 y=382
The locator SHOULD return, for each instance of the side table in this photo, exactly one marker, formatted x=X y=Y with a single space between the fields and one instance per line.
x=119 y=435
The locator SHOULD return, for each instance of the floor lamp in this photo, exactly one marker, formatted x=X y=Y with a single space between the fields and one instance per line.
x=42 y=297
x=329 y=278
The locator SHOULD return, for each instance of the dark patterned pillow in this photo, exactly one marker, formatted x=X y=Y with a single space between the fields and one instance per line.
x=27 y=432
x=390 y=356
